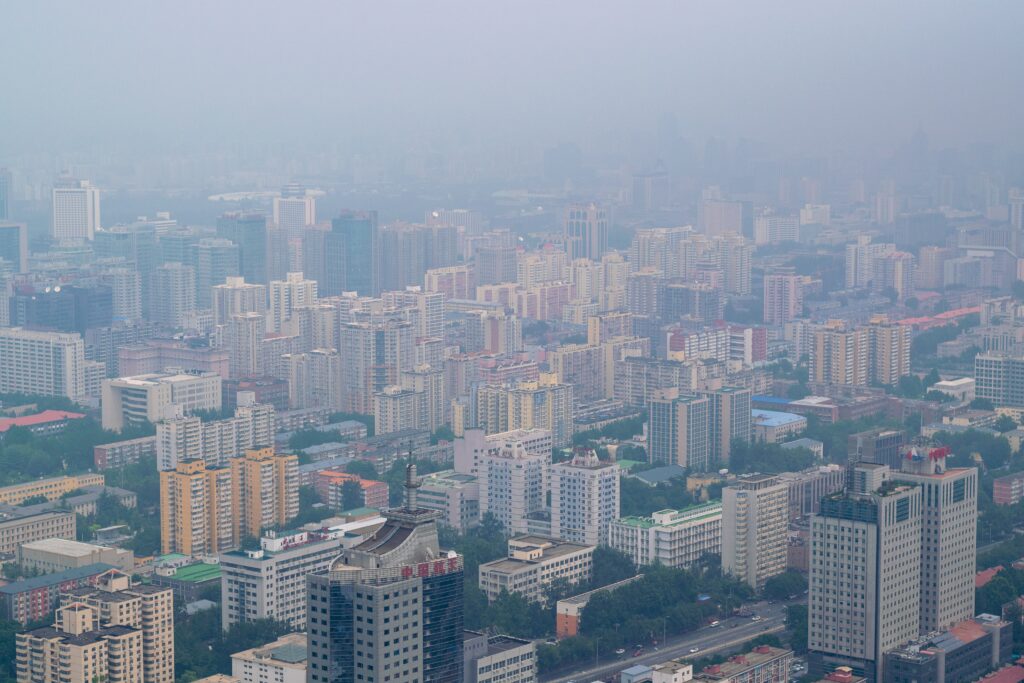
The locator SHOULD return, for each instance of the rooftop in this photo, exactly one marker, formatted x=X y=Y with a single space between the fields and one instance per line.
x=56 y=578
x=496 y=644
x=774 y=418
x=43 y=417
x=198 y=573
x=669 y=518
x=63 y=546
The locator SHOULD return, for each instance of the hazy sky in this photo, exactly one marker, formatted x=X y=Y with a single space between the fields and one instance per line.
x=810 y=74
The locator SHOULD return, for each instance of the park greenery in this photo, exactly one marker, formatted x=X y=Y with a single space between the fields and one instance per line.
x=202 y=648
x=767 y=458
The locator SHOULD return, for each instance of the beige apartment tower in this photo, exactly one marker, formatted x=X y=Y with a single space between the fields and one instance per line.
x=755 y=516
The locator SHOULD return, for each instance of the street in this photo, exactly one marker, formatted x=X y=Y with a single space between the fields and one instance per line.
x=709 y=640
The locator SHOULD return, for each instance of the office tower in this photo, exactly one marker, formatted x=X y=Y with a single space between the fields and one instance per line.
x=429 y=382
x=120 y=603
x=6 y=194
x=496 y=264
x=735 y=254
x=728 y=421
x=250 y=232
x=407 y=251
x=373 y=357
x=755 y=517
x=126 y=293
x=14 y=245
x=468 y=221
x=77 y=649
x=158 y=396
x=265 y=489
x=878 y=446
x=783 y=298
x=585 y=230
x=285 y=295
x=678 y=430
x=1016 y=202
x=401 y=571
x=244 y=340
x=396 y=409
x=352 y=255
x=999 y=378
x=671 y=538
x=584 y=498
x=949 y=529
x=840 y=355
x=889 y=351
x=234 y=296
x=514 y=484
x=294 y=210
x=42 y=363
x=137 y=245
x=214 y=260
x=173 y=295
x=76 y=210
x=197 y=516
x=931 y=266
x=865 y=573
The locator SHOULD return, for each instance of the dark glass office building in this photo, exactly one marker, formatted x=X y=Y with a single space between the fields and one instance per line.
x=391 y=608
x=352 y=255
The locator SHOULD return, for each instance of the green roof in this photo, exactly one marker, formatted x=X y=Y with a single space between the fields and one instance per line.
x=197 y=573
x=704 y=510
x=629 y=464
x=169 y=557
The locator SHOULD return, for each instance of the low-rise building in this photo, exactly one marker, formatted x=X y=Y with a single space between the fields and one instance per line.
x=498 y=659
x=189 y=582
x=19 y=527
x=51 y=488
x=270 y=583
x=764 y=663
x=35 y=598
x=1008 y=490
x=772 y=426
x=961 y=389
x=330 y=484
x=44 y=423
x=533 y=564
x=813 y=445
x=282 y=661
x=963 y=653
x=569 y=611
x=58 y=554
x=674 y=538
x=114 y=455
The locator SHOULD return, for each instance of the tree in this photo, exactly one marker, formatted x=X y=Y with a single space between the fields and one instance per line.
x=784 y=585
x=351 y=495
x=910 y=386
x=931 y=378
x=797 y=391
x=610 y=566
x=991 y=597
x=362 y=468
x=982 y=404
x=443 y=433
x=1005 y=423
x=796 y=624
x=767 y=458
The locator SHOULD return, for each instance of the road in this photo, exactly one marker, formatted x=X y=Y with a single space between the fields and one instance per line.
x=709 y=640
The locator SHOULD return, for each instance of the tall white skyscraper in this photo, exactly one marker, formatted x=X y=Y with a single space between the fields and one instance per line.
x=294 y=210
x=755 y=516
x=236 y=296
x=44 y=363
x=585 y=229
x=76 y=210
x=295 y=290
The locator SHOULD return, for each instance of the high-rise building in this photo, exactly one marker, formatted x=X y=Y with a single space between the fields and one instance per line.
x=250 y=232
x=400 y=571
x=772 y=229
x=865 y=573
x=407 y=251
x=755 y=517
x=196 y=513
x=861 y=257
x=544 y=404
x=895 y=272
x=1016 y=202
x=678 y=430
x=265 y=490
x=840 y=355
x=931 y=266
x=244 y=340
x=352 y=250
x=428 y=381
x=584 y=498
x=728 y=420
x=514 y=484
x=270 y=583
x=214 y=260
x=455 y=282
x=173 y=295
x=122 y=604
x=783 y=298
x=6 y=194
x=429 y=307
x=285 y=296
x=14 y=246
x=76 y=210
x=889 y=349
x=585 y=230
x=396 y=409
x=949 y=536
x=374 y=354
x=234 y=296
x=294 y=210
x=496 y=263
x=42 y=363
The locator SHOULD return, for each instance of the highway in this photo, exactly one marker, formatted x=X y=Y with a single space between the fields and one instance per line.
x=709 y=640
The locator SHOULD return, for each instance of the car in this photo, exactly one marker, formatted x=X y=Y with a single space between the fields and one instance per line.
x=713 y=624
x=756 y=617
x=694 y=650
x=637 y=653
x=621 y=651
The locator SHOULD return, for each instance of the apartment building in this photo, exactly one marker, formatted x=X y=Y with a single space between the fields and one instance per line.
x=754 y=521
x=43 y=363
x=51 y=488
x=533 y=564
x=673 y=538
x=282 y=661
x=19 y=528
x=159 y=396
